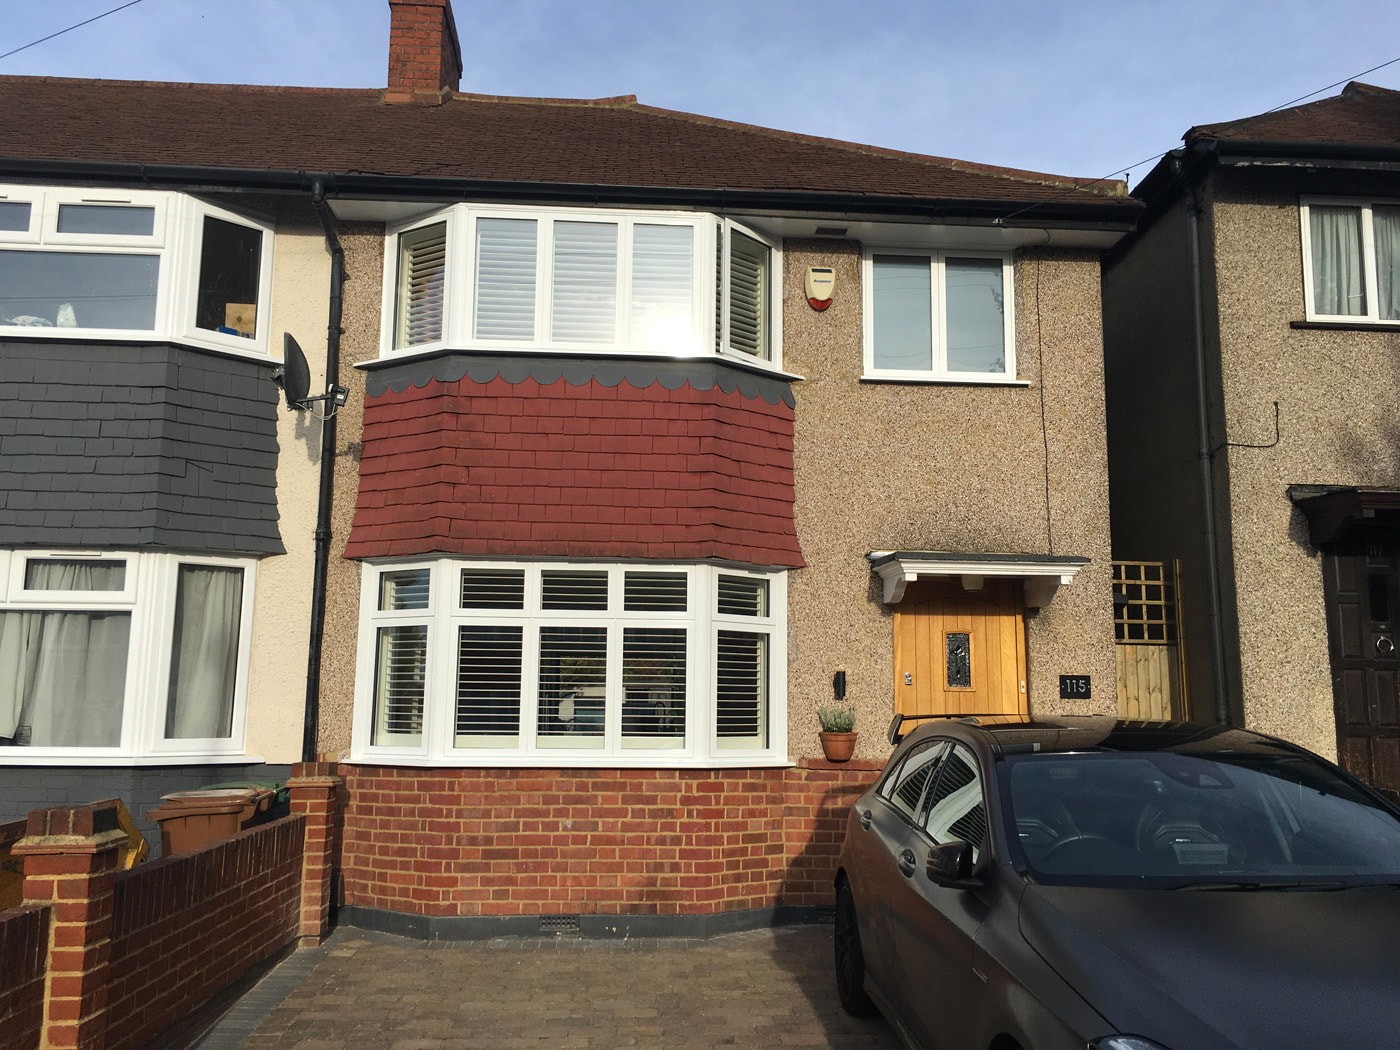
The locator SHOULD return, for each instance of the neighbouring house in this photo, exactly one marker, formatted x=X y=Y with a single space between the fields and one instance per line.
x=661 y=431
x=1252 y=337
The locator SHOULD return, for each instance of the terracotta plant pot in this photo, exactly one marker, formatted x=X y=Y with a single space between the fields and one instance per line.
x=838 y=747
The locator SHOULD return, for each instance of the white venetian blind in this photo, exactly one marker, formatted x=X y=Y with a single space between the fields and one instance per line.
x=489 y=663
x=653 y=684
x=585 y=282
x=661 y=306
x=421 y=291
x=573 y=686
x=399 y=681
x=741 y=689
x=748 y=295
x=505 y=278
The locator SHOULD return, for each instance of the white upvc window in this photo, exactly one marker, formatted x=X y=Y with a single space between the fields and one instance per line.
x=1351 y=260
x=121 y=655
x=582 y=280
x=570 y=664
x=939 y=315
x=132 y=264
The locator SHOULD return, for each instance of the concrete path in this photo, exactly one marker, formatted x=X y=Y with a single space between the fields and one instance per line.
x=765 y=988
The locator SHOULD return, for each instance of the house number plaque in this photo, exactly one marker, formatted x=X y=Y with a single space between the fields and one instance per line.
x=1074 y=687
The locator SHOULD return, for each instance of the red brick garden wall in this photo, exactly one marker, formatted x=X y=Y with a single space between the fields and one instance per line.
x=483 y=842
x=187 y=926
x=24 y=946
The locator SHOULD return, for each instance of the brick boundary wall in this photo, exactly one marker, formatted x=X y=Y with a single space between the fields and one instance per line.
x=185 y=927
x=24 y=950
x=508 y=842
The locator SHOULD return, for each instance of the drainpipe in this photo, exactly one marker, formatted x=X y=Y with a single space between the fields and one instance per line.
x=1205 y=457
x=327 y=484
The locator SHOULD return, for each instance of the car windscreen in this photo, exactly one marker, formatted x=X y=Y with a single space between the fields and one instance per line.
x=1170 y=819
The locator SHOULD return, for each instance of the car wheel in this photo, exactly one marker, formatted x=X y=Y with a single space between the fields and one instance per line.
x=850 y=961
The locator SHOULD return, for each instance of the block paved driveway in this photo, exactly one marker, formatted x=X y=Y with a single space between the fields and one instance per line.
x=763 y=988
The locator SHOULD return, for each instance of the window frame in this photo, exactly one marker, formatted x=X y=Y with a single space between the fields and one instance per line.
x=938 y=372
x=1369 y=267
x=149 y=596
x=175 y=241
x=443 y=617
x=709 y=300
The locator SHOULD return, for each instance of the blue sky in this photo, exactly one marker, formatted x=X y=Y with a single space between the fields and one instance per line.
x=1078 y=87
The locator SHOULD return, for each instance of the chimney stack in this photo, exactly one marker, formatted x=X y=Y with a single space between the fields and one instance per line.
x=425 y=57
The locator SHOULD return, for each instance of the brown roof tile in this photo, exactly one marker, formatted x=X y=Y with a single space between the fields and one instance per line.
x=603 y=142
x=1362 y=115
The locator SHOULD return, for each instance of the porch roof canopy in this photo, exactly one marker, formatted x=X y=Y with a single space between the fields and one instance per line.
x=1043 y=574
x=1336 y=512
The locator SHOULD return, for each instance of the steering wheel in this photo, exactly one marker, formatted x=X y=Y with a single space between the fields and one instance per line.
x=1074 y=840
x=1159 y=830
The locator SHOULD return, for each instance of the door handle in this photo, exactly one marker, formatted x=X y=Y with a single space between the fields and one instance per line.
x=907 y=865
x=865 y=820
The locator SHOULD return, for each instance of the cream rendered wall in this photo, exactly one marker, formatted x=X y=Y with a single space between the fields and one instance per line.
x=1338 y=425
x=889 y=466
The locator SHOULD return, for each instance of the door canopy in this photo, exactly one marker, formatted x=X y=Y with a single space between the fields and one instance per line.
x=1041 y=574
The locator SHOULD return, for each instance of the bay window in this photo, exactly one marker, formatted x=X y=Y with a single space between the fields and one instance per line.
x=584 y=280
x=939 y=316
x=122 y=654
x=117 y=264
x=570 y=664
x=1351 y=253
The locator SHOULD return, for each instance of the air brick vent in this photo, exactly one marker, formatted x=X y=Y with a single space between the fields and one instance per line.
x=559 y=925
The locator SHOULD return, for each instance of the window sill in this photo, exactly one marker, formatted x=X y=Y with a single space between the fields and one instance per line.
x=565 y=760
x=391 y=357
x=21 y=333
x=124 y=761
x=1346 y=326
x=944 y=380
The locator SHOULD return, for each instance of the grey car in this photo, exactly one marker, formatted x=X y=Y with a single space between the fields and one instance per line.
x=1069 y=883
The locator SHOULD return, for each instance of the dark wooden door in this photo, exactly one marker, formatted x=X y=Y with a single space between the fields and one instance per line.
x=1363 y=624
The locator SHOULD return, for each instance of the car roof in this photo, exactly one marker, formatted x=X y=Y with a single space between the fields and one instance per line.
x=1074 y=733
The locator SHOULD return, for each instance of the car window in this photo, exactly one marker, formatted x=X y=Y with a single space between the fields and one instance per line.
x=954 y=809
x=904 y=788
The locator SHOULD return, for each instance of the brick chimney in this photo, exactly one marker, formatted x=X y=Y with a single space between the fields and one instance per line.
x=425 y=57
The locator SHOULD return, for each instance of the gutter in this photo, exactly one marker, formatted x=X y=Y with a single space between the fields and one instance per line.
x=326 y=489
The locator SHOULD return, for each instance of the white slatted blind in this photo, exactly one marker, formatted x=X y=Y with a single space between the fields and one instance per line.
x=654 y=592
x=400 y=678
x=422 y=285
x=585 y=282
x=741 y=689
x=505 y=278
x=489 y=663
x=493 y=588
x=748 y=295
x=573 y=686
x=564 y=589
x=742 y=596
x=400 y=591
x=662 y=273
x=653 y=684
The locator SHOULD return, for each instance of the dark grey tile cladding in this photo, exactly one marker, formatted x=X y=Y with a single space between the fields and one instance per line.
x=28 y=788
x=144 y=445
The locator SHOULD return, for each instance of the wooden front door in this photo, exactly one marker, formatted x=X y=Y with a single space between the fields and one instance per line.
x=1363 y=627
x=958 y=651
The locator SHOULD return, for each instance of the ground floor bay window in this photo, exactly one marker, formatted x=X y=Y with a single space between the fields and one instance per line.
x=472 y=662
x=121 y=655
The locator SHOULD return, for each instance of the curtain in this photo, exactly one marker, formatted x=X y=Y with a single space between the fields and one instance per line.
x=63 y=674
x=1387 y=223
x=1337 y=272
x=204 y=656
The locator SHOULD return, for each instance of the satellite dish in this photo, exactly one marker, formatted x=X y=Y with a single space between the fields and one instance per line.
x=294 y=377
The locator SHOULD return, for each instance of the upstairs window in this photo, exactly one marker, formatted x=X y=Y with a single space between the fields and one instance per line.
x=939 y=316
x=590 y=280
x=124 y=264
x=1351 y=252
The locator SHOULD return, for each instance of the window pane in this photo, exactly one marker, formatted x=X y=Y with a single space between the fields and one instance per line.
x=959 y=653
x=204 y=656
x=748 y=295
x=118 y=219
x=1339 y=283
x=903 y=306
x=14 y=216
x=574 y=590
x=741 y=596
x=573 y=684
x=908 y=787
x=1387 y=224
x=741 y=690
x=976 y=315
x=662 y=257
x=489 y=662
x=505 y=278
x=955 y=809
x=61 y=574
x=400 y=678
x=654 y=592
x=403 y=590
x=493 y=588
x=78 y=290
x=653 y=684
x=230 y=260
x=585 y=282
x=419 y=298
x=65 y=678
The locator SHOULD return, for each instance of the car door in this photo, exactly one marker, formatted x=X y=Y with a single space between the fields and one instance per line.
x=934 y=929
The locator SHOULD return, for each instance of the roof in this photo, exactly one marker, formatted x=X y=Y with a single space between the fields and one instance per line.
x=1060 y=733
x=48 y=122
x=1362 y=115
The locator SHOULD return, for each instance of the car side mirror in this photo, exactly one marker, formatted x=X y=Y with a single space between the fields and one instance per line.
x=950 y=864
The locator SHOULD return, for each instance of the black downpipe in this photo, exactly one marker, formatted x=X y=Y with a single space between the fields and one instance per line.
x=327 y=485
